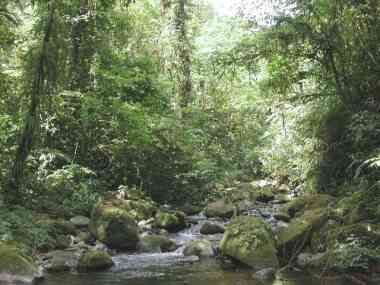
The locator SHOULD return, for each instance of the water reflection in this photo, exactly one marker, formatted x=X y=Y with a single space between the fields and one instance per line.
x=197 y=273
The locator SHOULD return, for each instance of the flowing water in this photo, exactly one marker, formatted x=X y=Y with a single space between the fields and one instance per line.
x=174 y=268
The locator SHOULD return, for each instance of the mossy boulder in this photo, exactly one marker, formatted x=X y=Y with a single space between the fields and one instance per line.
x=172 y=222
x=114 y=227
x=156 y=243
x=264 y=194
x=210 y=228
x=16 y=265
x=137 y=209
x=308 y=202
x=61 y=260
x=220 y=208
x=95 y=260
x=293 y=239
x=62 y=242
x=251 y=241
x=282 y=198
x=200 y=248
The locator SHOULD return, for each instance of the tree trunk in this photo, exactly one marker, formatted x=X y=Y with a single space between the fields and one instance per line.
x=38 y=90
x=184 y=55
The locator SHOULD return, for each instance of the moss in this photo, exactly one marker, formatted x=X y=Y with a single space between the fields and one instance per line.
x=95 y=260
x=114 y=226
x=292 y=239
x=14 y=261
x=308 y=202
x=171 y=222
x=250 y=240
x=265 y=194
x=139 y=210
x=151 y=243
x=200 y=248
x=220 y=209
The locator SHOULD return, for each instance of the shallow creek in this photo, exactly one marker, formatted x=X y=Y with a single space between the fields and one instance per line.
x=174 y=268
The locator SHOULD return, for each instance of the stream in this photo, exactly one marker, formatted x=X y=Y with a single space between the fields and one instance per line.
x=175 y=268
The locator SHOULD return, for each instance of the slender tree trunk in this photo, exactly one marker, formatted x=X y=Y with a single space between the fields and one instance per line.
x=184 y=55
x=165 y=6
x=83 y=51
x=38 y=90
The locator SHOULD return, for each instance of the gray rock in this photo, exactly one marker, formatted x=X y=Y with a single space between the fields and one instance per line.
x=305 y=259
x=95 y=260
x=221 y=209
x=209 y=228
x=80 y=221
x=200 y=248
x=265 y=274
x=156 y=244
x=60 y=260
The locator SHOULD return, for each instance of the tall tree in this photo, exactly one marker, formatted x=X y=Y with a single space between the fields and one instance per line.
x=183 y=50
x=40 y=87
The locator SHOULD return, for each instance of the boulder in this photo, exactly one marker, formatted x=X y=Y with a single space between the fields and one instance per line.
x=172 y=222
x=281 y=199
x=308 y=202
x=138 y=209
x=86 y=237
x=60 y=260
x=210 y=228
x=283 y=188
x=266 y=274
x=62 y=242
x=80 y=221
x=114 y=227
x=200 y=248
x=146 y=225
x=15 y=266
x=220 y=209
x=156 y=244
x=292 y=239
x=95 y=260
x=251 y=241
x=264 y=194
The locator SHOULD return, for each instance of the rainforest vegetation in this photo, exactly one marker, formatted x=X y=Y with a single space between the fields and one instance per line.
x=135 y=112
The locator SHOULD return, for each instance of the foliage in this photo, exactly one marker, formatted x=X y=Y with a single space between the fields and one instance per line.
x=18 y=225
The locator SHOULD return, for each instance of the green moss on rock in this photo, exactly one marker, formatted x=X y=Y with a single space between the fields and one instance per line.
x=292 y=239
x=114 y=227
x=172 y=222
x=250 y=240
x=95 y=260
x=15 y=263
x=220 y=209
x=156 y=243
x=200 y=248
x=307 y=203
